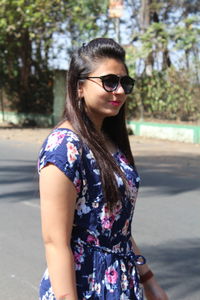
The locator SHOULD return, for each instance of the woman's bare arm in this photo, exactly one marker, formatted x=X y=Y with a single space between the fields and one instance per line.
x=58 y=199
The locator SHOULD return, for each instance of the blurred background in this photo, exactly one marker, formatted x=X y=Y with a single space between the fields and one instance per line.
x=162 y=42
x=161 y=39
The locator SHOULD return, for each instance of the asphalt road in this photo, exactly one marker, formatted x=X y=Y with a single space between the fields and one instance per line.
x=166 y=224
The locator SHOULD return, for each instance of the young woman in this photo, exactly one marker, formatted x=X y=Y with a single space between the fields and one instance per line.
x=88 y=187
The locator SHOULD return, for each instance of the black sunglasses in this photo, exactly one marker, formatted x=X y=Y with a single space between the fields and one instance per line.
x=111 y=82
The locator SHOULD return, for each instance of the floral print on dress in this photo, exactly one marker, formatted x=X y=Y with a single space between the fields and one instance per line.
x=78 y=257
x=54 y=140
x=103 y=257
x=81 y=207
x=111 y=276
x=72 y=152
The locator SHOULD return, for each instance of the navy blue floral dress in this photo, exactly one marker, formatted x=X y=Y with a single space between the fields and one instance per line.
x=104 y=261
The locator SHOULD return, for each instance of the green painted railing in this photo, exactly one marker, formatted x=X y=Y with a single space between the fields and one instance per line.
x=21 y=118
x=175 y=132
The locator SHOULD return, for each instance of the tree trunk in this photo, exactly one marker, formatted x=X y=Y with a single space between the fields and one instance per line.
x=145 y=20
x=26 y=54
x=166 y=59
x=25 y=57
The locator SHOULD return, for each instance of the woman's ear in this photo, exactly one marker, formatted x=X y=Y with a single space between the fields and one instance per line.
x=80 y=89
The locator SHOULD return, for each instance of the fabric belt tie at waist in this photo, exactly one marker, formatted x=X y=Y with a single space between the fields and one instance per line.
x=129 y=256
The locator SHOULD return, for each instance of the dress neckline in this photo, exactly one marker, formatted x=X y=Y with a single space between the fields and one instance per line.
x=65 y=128
x=68 y=129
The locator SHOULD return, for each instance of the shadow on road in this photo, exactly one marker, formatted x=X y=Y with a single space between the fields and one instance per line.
x=177 y=262
x=170 y=174
x=178 y=266
x=18 y=180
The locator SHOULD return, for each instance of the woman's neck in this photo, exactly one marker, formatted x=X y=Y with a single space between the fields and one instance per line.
x=112 y=148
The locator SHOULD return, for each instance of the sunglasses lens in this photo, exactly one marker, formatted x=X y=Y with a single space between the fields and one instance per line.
x=110 y=82
x=127 y=84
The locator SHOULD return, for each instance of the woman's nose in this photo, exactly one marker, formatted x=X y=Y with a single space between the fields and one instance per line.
x=119 y=89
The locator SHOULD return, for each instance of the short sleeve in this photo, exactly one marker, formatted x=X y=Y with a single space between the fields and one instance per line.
x=63 y=149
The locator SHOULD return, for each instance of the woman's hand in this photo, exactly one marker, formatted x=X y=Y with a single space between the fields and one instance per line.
x=153 y=291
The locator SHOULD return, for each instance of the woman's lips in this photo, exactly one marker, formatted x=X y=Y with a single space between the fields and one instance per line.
x=115 y=103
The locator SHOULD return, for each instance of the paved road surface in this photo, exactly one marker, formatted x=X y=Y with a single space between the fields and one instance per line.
x=166 y=223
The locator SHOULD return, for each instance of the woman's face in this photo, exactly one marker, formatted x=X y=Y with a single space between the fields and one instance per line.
x=98 y=102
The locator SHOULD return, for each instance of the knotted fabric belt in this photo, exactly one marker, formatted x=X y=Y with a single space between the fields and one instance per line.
x=128 y=256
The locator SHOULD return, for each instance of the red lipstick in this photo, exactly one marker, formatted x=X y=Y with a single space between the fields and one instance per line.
x=115 y=103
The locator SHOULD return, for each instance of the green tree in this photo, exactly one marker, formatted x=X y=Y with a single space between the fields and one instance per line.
x=164 y=49
x=27 y=36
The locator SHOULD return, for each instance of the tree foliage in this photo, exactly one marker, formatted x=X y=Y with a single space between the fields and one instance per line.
x=165 y=95
x=164 y=57
x=27 y=30
x=161 y=38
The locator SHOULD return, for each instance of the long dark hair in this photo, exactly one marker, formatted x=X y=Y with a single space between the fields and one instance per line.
x=83 y=62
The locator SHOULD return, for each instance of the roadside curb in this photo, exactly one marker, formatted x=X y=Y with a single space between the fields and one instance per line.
x=21 y=118
x=172 y=132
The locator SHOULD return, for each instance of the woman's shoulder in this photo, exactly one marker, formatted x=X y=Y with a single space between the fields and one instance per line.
x=59 y=137
x=62 y=147
x=61 y=142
